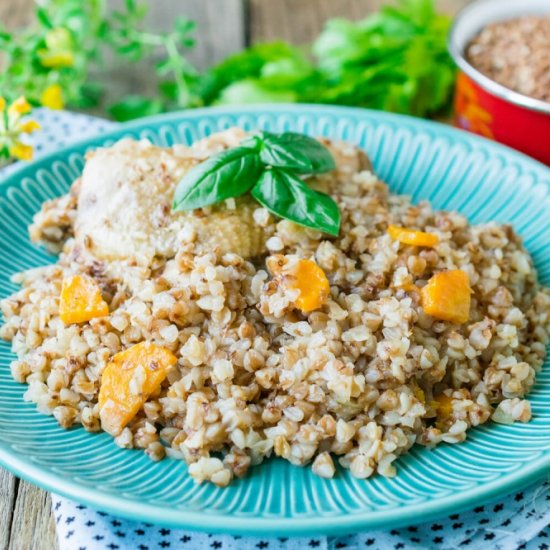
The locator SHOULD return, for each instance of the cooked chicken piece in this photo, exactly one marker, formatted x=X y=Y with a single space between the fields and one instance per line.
x=123 y=203
x=125 y=207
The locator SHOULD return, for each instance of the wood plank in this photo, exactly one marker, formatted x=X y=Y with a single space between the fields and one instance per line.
x=32 y=525
x=220 y=26
x=8 y=488
x=220 y=32
x=16 y=13
x=301 y=21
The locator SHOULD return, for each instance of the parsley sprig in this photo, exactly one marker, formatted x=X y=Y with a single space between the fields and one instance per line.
x=271 y=168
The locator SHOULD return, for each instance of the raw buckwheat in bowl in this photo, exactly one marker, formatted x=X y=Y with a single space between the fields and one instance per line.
x=224 y=335
x=502 y=91
x=260 y=293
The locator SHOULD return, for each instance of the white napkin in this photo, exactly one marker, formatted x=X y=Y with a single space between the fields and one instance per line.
x=516 y=522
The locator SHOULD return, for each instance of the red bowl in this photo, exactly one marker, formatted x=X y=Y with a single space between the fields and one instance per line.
x=487 y=108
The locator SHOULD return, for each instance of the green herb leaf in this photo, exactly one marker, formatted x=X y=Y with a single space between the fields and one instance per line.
x=268 y=164
x=395 y=60
x=297 y=152
x=247 y=67
x=43 y=18
x=135 y=107
x=287 y=196
x=250 y=91
x=228 y=174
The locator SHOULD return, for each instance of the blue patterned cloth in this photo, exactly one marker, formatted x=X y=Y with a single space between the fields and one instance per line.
x=517 y=522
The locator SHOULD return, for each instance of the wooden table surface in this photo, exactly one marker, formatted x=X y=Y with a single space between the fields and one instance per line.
x=224 y=26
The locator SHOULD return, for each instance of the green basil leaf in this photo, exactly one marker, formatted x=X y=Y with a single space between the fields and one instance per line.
x=296 y=152
x=253 y=142
x=287 y=196
x=228 y=174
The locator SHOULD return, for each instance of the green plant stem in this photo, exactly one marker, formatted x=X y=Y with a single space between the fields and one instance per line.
x=179 y=70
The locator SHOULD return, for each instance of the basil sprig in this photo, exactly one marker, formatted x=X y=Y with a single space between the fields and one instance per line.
x=268 y=165
x=294 y=151
x=228 y=174
x=287 y=196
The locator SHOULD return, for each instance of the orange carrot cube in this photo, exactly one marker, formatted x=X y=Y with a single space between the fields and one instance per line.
x=447 y=296
x=411 y=236
x=81 y=300
x=127 y=382
x=312 y=283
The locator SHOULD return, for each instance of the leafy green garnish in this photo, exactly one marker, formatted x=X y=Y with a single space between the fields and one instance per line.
x=297 y=152
x=268 y=165
x=287 y=196
x=395 y=60
x=274 y=71
x=228 y=174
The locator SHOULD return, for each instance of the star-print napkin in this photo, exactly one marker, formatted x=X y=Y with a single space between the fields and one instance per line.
x=518 y=522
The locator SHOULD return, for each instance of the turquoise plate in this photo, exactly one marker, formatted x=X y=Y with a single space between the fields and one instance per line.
x=454 y=170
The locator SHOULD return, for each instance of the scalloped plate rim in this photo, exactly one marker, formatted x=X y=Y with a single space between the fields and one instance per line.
x=203 y=520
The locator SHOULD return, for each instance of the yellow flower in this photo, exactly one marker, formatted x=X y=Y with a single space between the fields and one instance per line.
x=19 y=107
x=59 y=52
x=57 y=60
x=13 y=126
x=52 y=97
x=21 y=151
x=29 y=126
x=59 y=39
